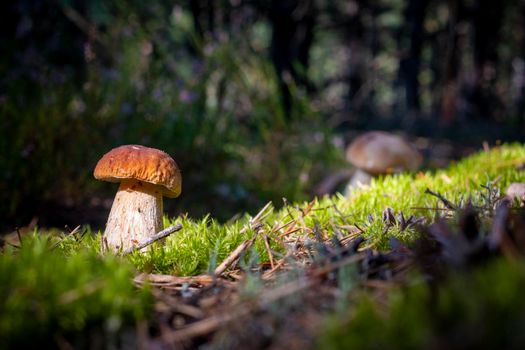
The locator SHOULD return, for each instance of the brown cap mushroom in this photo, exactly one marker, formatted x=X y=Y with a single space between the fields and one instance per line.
x=145 y=175
x=379 y=152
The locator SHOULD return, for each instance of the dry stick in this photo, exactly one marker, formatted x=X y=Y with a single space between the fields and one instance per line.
x=75 y=230
x=259 y=215
x=203 y=327
x=283 y=226
x=445 y=201
x=19 y=236
x=256 y=225
x=230 y=259
x=87 y=289
x=302 y=213
x=88 y=28
x=268 y=250
x=290 y=230
x=185 y=309
x=428 y=208
x=164 y=233
x=12 y=245
x=166 y=302
x=169 y=280
x=341 y=215
x=256 y=220
x=350 y=237
x=267 y=274
x=103 y=244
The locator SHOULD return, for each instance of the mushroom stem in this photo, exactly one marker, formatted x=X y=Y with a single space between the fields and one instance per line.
x=360 y=178
x=136 y=214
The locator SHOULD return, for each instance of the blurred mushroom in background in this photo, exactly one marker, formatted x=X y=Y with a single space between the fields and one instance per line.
x=377 y=153
x=516 y=190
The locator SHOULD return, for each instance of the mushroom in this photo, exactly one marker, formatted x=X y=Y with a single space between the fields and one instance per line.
x=516 y=190
x=378 y=152
x=145 y=175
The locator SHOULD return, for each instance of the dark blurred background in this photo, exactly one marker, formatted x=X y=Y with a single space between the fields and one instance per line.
x=254 y=99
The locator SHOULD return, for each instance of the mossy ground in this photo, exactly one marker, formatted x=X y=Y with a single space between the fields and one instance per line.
x=481 y=309
x=54 y=283
x=48 y=294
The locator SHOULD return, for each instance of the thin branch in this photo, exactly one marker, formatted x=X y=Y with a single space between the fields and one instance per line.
x=268 y=250
x=169 y=280
x=19 y=236
x=83 y=24
x=75 y=230
x=445 y=201
x=234 y=256
x=162 y=234
x=256 y=225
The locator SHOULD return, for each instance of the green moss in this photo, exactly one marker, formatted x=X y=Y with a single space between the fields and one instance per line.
x=204 y=242
x=406 y=192
x=46 y=293
x=55 y=285
x=484 y=309
x=190 y=250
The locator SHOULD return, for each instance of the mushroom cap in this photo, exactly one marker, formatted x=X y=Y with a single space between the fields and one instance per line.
x=516 y=190
x=140 y=163
x=379 y=152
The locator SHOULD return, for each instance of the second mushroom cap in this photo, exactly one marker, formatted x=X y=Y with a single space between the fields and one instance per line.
x=378 y=152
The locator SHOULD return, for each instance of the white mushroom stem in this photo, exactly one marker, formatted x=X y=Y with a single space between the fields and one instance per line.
x=135 y=216
x=358 y=179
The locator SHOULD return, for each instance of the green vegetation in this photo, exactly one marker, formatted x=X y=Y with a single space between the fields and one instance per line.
x=483 y=308
x=251 y=117
x=62 y=284
x=190 y=251
x=47 y=291
x=459 y=183
x=196 y=249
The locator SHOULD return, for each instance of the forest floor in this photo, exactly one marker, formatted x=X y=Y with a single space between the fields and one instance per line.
x=431 y=256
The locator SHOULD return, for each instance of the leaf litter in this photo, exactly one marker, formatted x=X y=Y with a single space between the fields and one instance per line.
x=283 y=303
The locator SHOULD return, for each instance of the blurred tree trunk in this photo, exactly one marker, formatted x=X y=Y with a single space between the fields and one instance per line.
x=519 y=80
x=195 y=8
x=354 y=31
x=452 y=63
x=203 y=12
x=480 y=93
x=411 y=42
x=292 y=36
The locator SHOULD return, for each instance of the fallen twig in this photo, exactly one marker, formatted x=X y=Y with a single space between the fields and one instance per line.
x=268 y=250
x=445 y=201
x=266 y=275
x=167 y=303
x=230 y=259
x=169 y=280
x=255 y=224
x=162 y=234
x=19 y=236
x=74 y=231
x=83 y=24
